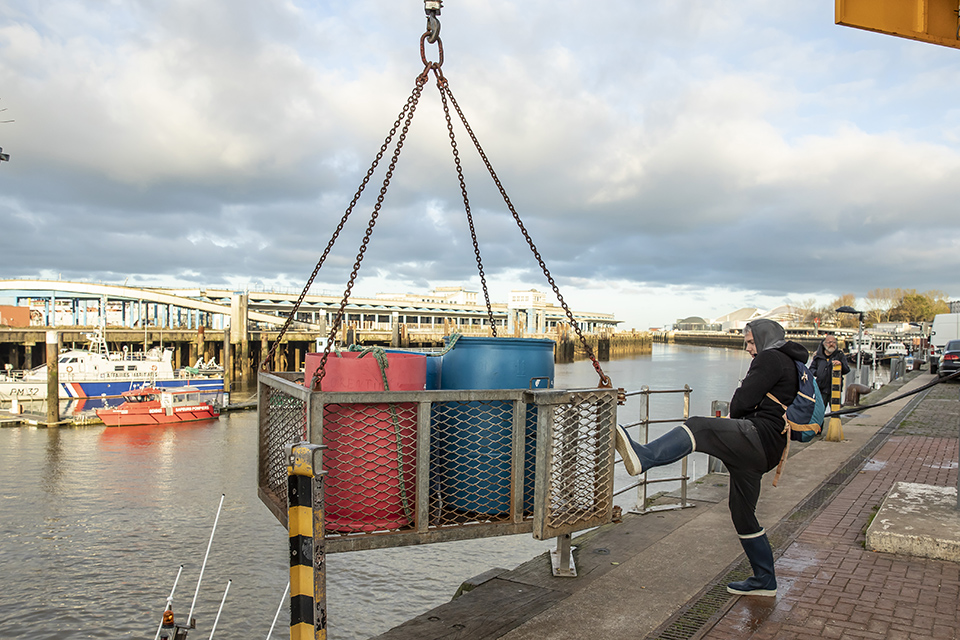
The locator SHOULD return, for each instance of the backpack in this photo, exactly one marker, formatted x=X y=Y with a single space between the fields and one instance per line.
x=805 y=414
x=804 y=417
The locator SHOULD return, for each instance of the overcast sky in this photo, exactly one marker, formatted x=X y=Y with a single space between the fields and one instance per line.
x=668 y=158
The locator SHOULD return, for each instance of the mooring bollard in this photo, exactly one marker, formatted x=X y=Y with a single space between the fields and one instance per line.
x=719 y=409
x=835 y=429
x=308 y=568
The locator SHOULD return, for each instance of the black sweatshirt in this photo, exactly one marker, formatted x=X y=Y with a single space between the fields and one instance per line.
x=773 y=371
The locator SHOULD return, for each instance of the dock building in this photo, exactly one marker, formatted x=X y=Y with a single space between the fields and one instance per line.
x=210 y=323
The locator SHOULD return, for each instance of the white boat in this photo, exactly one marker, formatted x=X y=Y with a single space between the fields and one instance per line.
x=97 y=373
x=857 y=346
x=895 y=349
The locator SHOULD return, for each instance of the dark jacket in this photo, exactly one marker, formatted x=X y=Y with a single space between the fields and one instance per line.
x=822 y=368
x=772 y=371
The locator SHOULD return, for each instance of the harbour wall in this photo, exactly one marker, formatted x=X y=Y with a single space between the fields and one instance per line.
x=735 y=340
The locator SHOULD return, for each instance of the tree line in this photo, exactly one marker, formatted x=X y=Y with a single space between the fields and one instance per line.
x=879 y=305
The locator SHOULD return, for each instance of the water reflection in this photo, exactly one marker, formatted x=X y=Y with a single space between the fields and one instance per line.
x=52 y=476
x=94 y=523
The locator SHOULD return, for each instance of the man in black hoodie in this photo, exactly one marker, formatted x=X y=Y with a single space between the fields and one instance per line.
x=750 y=442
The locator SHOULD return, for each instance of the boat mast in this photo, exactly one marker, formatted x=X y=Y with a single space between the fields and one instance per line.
x=98 y=340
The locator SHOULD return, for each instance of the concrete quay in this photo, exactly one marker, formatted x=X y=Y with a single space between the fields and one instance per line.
x=664 y=574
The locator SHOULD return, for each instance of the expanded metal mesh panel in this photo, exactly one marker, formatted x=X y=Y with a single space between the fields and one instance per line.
x=370 y=464
x=575 y=464
x=283 y=421
x=471 y=462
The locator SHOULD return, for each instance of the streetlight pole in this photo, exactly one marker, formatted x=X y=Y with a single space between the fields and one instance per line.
x=851 y=310
x=859 y=343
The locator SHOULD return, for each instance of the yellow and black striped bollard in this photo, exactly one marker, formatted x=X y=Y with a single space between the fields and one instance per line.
x=308 y=571
x=835 y=429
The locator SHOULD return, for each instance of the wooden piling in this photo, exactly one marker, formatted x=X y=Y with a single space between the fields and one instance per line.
x=265 y=350
x=201 y=344
x=246 y=364
x=53 y=379
x=227 y=362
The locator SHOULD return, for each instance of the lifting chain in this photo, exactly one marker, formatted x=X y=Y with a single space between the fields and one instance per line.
x=604 y=379
x=410 y=105
x=442 y=86
x=406 y=117
x=410 y=109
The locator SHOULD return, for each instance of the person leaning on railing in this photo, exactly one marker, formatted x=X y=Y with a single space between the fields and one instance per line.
x=822 y=364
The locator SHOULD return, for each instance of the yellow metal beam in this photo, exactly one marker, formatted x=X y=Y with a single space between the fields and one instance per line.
x=933 y=21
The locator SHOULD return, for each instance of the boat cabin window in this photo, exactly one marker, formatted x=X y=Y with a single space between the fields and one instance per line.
x=118 y=367
x=131 y=367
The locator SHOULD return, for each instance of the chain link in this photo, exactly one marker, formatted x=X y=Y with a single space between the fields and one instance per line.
x=441 y=83
x=410 y=110
x=343 y=220
x=406 y=116
x=604 y=380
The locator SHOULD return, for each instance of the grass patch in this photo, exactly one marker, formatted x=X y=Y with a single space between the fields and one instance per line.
x=863 y=532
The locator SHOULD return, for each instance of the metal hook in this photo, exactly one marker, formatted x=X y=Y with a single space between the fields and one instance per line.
x=433 y=29
x=432 y=9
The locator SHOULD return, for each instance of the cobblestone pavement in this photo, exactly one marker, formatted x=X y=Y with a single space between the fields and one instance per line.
x=831 y=586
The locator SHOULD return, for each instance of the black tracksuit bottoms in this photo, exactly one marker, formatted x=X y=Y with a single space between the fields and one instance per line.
x=737 y=444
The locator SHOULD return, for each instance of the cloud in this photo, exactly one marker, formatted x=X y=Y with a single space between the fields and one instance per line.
x=676 y=157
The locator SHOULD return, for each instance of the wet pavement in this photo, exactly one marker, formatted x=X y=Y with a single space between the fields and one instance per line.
x=663 y=574
x=832 y=586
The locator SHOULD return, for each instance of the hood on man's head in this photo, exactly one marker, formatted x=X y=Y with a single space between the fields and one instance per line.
x=767 y=334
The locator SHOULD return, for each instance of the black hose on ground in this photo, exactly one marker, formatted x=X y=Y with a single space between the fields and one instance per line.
x=843 y=412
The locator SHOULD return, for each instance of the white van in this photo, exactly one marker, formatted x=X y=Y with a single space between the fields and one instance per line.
x=946 y=327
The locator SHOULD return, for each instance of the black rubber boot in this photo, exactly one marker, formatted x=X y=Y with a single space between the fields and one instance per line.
x=763 y=582
x=669 y=447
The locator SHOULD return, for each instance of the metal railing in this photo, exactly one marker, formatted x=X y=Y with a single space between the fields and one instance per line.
x=644 y=423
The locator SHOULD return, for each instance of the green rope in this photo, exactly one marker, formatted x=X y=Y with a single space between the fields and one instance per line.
x=381 y=357
x=453 y=340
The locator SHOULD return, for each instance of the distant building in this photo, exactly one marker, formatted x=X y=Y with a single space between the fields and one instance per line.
x=787 y=315
x=63 y=303
x=695 y=323
x=737 y=320
x=892 y=327
x=440 y=295
x=14 y=316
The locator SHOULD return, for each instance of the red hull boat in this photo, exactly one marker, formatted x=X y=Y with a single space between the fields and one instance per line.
x=159 y=406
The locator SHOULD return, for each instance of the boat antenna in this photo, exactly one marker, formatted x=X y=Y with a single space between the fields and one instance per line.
x=220 y=610
x=283 y=601
x=169 y=602
x=206 y=555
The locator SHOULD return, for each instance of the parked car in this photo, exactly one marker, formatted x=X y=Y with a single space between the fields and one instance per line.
x=949 y=359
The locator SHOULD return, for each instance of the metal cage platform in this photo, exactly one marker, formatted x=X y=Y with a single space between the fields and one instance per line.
x=413 y=467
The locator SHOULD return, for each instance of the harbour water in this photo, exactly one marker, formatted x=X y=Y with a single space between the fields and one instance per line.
x=94 y=523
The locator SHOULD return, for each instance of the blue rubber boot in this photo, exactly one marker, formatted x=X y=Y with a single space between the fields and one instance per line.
x=763 y=582
x=669 y=447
